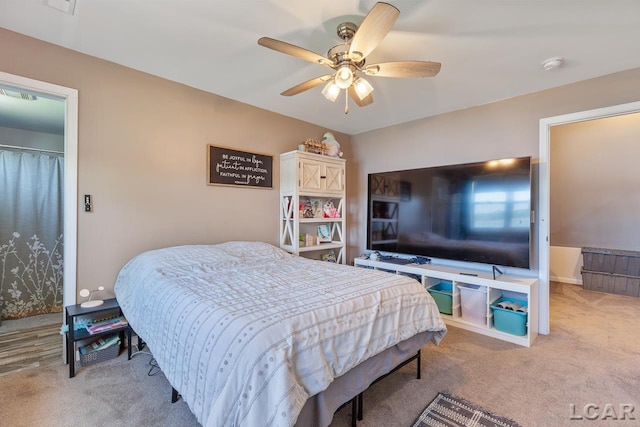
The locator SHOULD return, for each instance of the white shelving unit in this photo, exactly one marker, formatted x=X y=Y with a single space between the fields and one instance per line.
x=307 y=182
x=509 y=286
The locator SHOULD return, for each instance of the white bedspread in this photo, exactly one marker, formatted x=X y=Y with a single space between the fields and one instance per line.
x=247 y=332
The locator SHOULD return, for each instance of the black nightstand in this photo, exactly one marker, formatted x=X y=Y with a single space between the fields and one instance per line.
x=73 y=311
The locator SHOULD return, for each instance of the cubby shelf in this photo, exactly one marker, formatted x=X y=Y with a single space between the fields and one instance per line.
x=516 y=287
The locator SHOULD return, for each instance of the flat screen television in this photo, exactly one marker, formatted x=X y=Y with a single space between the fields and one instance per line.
x=474 y=212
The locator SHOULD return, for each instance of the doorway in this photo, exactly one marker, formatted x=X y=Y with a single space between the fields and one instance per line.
x=31 y=214
x=544 y=191
x=69 y=98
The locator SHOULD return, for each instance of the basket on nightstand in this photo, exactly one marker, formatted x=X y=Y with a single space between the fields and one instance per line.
x=93 y=356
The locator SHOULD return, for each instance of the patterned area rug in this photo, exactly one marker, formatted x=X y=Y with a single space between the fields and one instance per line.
x=451 y=411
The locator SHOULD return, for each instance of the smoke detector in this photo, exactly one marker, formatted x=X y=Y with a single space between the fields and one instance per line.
x=552 y=63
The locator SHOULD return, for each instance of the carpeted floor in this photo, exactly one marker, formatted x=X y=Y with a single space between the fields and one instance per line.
x=591 y=357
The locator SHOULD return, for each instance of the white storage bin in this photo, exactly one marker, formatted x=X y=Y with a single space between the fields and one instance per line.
x=473 y=299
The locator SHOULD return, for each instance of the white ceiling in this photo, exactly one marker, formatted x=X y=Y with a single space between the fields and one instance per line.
x=489 y=49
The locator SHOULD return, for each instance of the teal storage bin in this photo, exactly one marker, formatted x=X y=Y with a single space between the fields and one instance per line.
x=510 y=321
x=442 y=294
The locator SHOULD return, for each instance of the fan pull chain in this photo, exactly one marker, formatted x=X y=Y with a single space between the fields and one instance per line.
x=346 y=101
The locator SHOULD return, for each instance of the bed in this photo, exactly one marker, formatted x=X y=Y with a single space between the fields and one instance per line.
x=249 y=334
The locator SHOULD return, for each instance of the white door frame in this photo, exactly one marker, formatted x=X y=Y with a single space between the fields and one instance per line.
x=70 y=222
x=544 y=192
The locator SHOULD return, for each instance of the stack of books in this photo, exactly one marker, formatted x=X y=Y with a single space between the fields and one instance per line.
x=100 y=344
x=99 y=326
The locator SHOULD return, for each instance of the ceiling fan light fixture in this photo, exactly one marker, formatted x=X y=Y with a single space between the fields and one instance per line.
x=362 y=87
x=331 y=91
x=347 y=59
x=344 y=77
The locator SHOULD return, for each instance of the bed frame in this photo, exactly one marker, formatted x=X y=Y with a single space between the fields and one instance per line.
x=357 y=403
x=323 y=405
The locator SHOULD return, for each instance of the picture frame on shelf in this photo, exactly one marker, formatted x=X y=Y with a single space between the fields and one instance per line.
x=324 y=233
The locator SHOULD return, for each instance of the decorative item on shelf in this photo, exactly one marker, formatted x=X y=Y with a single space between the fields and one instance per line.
x=330 y=210
x=314 y=146
x=309 y=239
x=302 y=147
x=324 y=233
x=91 y=303
x=317 y=208
x=307 y=209
x=331 y=146
x=330 y=256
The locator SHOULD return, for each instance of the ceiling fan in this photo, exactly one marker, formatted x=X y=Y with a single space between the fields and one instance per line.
x=348 y=59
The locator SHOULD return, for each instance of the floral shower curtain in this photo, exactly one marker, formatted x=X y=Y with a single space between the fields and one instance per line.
x=31 y=220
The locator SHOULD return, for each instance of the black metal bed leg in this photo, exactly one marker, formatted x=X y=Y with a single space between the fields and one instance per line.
x=360 y=397
x=354 y=409
x=174 y=395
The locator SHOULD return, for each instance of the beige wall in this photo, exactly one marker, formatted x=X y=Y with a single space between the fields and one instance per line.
x=565 y=264
x=595 y=182
x=508 y=128
x=142 y=150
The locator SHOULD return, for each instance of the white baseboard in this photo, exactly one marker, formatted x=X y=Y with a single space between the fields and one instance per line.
x=571 y=280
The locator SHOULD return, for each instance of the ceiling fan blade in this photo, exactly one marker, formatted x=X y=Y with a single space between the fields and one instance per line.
x=309 y=84
x=293 y=50
x=404 y=69
x=375 y=26
x=361 y=102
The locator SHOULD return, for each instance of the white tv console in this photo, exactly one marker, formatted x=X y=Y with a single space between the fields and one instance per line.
x=510 y=286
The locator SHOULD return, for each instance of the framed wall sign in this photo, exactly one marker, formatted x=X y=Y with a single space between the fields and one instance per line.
x=238 y=168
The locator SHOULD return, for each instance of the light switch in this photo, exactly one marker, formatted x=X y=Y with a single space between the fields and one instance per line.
x=87 y=203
